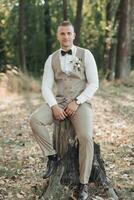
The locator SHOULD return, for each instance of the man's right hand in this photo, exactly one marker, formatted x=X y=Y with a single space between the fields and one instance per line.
x=58 y=112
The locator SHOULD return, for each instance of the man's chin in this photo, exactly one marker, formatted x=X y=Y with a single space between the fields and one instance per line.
x=67 y=45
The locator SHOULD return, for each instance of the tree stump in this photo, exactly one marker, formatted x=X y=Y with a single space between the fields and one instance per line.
x=63 y=184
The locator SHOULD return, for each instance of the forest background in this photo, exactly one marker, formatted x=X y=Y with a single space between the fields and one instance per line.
x=28 y=33
x=27 y=37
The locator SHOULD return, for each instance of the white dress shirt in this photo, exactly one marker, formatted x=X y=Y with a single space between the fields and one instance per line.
x=66 y=66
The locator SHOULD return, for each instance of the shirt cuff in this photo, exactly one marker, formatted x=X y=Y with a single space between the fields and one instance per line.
x=81 y=99
x=52 y=104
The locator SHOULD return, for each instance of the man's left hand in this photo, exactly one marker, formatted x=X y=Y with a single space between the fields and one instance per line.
x=71 y=108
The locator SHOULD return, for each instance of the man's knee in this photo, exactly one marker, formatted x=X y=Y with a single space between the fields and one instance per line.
x=85 y=137
x=33 y=120
x=42 y=116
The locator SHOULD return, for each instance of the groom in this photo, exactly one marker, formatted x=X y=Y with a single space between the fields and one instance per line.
x=73 y=70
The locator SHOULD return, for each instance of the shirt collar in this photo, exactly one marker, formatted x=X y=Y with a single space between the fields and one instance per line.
x=73 y=48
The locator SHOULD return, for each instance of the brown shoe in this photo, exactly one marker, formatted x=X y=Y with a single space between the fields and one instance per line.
x=83 y=192
x=52 y=165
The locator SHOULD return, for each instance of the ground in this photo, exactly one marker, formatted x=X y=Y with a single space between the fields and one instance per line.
x=21 y=160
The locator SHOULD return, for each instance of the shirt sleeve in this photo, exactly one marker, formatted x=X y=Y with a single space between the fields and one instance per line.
x=48 y=82
x=92 y=78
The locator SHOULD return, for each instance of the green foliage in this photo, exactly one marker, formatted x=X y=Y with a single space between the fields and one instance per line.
x=92 y=30
x=2 y=48
x=35 y=38
x=34 y=35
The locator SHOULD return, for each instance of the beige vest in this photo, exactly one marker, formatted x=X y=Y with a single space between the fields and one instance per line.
x=69 y=86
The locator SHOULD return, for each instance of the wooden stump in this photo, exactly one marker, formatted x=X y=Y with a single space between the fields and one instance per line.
x=63 y=184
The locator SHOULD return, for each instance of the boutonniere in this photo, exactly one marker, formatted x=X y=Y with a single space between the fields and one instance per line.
x=76 y=62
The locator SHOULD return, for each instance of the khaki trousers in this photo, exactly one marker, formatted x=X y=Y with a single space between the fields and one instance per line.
x=82 y=122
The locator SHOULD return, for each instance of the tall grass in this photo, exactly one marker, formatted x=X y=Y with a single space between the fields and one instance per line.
x=16 y=82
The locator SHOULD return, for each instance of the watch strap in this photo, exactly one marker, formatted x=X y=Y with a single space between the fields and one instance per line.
x=77 y=101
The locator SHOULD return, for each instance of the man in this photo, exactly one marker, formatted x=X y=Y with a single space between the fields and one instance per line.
x=74 y=71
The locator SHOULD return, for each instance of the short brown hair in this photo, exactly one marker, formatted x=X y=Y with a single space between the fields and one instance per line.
x=65 y=23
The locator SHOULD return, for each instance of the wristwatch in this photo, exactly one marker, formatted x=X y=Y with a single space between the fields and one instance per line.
x=77 y=101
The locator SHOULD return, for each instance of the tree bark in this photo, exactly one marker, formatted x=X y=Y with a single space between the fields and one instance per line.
x=47 y=27
x=110 y=41
x=124 y=40
x=107 y=46
x=65 y=14
x=22 y=52
x=78 y=20
x=63 y=184
x=2 y=50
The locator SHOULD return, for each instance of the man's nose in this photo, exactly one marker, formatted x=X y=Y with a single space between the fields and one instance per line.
x=66 y=35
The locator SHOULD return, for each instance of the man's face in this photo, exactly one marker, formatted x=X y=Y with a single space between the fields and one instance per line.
x=65 y=36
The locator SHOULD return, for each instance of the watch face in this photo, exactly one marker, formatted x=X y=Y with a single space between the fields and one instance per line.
x=77 y=101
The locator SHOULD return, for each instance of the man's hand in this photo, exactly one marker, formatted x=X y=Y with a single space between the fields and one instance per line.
x=71 y=108
x=58 y=112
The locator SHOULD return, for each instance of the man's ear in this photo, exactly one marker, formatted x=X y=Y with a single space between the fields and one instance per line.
x=57 y=36
x=74 y=35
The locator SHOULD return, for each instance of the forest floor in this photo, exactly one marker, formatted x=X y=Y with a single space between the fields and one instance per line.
x=21 y=161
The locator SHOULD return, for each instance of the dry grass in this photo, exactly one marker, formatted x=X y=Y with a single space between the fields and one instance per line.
x=21 y=162
x=17 y=82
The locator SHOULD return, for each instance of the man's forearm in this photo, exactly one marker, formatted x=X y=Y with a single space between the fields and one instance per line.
x=88 y=93
x=49 y=96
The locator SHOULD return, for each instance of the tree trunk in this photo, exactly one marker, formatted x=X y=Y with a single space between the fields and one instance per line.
x=124 y=40
x=63 y=184
x=78 y=19
x=65 y=14
x=2 y=50
x=22 y=52
x=110 y=41
x=112 y=61
x=47 y=27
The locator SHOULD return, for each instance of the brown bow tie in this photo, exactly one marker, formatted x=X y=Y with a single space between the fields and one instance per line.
x=63 y=53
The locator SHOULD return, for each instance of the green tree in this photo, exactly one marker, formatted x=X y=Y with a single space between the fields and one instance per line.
x=2 y=43
x=65 y=10
x=78 y=19
x=110 y=38
x=124 y=37
x=21 y=36
x=35 y=36
x=96 y=24
x=47 y=27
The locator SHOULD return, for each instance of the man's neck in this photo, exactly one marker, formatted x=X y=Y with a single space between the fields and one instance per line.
x=66 y=48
